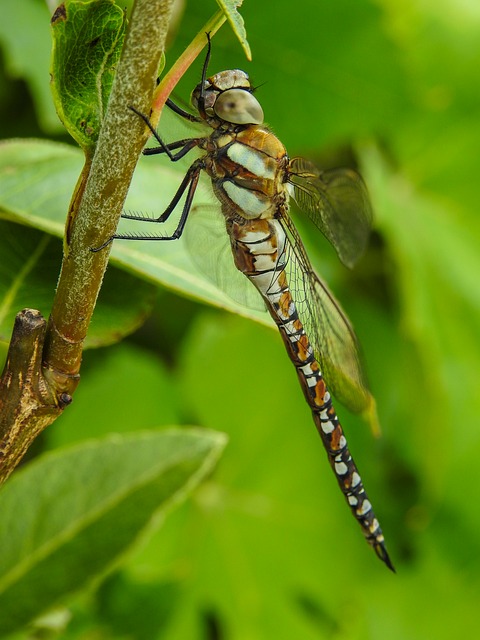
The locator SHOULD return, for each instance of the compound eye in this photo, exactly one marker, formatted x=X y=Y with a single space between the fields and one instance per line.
x=238 y=107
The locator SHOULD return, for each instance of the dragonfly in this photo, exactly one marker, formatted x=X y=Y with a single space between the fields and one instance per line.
x=254 y=179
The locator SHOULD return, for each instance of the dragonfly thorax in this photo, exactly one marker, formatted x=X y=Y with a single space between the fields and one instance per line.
x=227 y=97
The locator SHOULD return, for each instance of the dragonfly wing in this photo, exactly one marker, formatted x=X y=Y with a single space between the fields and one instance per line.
x=327 y=326
x=209 y=247
x=337 y=202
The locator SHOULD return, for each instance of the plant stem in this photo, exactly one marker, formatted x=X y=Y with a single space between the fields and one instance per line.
x=38 y=382
x=119 y=145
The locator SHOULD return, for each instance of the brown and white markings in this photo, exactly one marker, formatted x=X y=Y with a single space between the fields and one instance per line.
x=253 y=179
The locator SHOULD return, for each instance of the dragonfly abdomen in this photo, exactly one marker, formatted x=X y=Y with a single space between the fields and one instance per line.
x=258 y=252
x=326 y=420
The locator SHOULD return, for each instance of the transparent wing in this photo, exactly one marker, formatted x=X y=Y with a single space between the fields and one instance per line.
x=209 y=246
x=328 y=328
x=337 y=202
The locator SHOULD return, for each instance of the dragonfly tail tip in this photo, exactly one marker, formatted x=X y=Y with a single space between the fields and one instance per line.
x=382 y=553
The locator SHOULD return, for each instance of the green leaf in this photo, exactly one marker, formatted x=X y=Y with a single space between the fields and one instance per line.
x=37 y=179
x=115 y=315
x=30 y=266
x=437 y=265
x=435 y=254
x=36 y=182
x=87 y=42
x=229 y=8
x=69 y=516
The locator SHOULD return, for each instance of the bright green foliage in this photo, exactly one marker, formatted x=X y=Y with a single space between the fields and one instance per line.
x=229 y=7
x=47 y=173
x=121 y=373
x=87 y=42
x=27 y=279
x=267 y=548
x=35 y=187
x=72 y=514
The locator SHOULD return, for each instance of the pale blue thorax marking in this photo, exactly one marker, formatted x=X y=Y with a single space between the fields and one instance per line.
x=252 y=160
x=248 y=201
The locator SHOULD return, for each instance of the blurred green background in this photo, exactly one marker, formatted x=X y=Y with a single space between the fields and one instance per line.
x=267 y=548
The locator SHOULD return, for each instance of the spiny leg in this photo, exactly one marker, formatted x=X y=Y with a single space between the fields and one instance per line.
x=187 y=145
x=181 y=112
x=191 y=181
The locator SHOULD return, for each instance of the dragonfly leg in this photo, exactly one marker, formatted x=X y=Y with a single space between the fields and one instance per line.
x=181 y=112
x=187 y=145
x=190 y=181
x=178 y=110
x=191 y=178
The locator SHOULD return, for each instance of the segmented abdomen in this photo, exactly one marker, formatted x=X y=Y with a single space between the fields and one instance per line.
x=258 y=247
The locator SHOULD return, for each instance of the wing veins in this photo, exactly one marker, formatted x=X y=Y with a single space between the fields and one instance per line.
x=330 y=332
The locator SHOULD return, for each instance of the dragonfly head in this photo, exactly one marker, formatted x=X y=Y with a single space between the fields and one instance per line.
x=227 y=97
